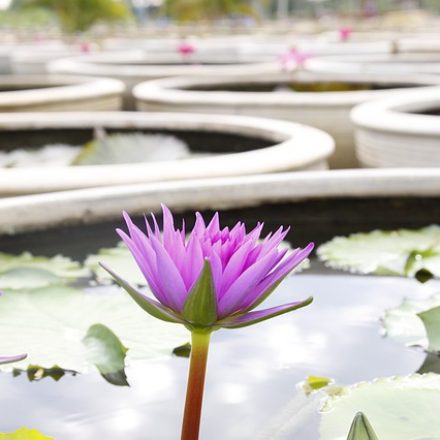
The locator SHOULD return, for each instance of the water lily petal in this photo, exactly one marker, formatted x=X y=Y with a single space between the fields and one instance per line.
x=13 y=358
x=231 y=300
x=145 y=258
x=171 y=281
x=272 y=280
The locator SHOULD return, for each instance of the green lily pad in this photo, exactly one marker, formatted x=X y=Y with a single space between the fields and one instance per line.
x=24 y=434
x=27 y=271
x=123 y=148
x=313 y=383
x=50 y=324
x=404 y=325
x=47 y=156
x=107 y=353
x=403 y=408
x=402 y=252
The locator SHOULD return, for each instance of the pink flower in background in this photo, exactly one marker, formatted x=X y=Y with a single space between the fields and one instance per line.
x=345 y=33
x=85 y=47
x=230 y=269
x=186 y=48
x=293 y=58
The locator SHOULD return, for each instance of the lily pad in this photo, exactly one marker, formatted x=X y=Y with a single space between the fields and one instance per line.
x=24 y=434
x=402 y=252
x=107 y=353
x=47 y=156
x=123 y=148
x=27 y=271
x=403 y=408
x=51 y=323
x=403 y=323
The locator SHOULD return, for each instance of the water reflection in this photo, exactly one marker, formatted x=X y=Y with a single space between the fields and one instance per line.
x=252 y=371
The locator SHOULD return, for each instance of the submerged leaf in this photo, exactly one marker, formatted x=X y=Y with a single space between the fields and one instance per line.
x=361 y=429
x=106 y=352
x=24 y=434
x=402 y=252
x=27 y=271
x=403 y=408
x=123 y=148
x=50 y=324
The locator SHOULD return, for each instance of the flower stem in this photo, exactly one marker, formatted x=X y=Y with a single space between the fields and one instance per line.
x=196 y=382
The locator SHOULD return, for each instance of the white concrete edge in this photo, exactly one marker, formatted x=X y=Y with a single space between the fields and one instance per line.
x=172 y=90
x=91 y=205
x=296 y=147
x=388 y=114
x=71 y=88
x=371 y=63
x=86 y=66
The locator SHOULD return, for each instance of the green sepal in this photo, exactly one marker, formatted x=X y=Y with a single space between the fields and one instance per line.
x=200 y=308
x=151 y=306
x=244 y=320
x=361 y=429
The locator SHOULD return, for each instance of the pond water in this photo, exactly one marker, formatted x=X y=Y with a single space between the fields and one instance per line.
x=321 y=86
x=197 y=140
x=253 y=372
x=428 y=112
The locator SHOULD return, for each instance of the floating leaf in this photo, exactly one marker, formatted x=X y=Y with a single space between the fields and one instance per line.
x=47 y=156
x=431 y=364
x=404 y=325
x=313 y=383
x=117 y=257
x=50 y=324
x=36 y=373
x=431 y=321
x=183 y=350
x=24 y=434
x=361 y=429
x=27 y=271
x=402 y=252
x=107 y=353
x=123 y=148
x=403 y=408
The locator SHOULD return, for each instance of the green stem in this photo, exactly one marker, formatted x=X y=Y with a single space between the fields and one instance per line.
x=196 y=383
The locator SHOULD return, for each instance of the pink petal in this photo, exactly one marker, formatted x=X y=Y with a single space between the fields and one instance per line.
x=171 y=282
x=232 y=299
x=286 y=266
x=13 y=358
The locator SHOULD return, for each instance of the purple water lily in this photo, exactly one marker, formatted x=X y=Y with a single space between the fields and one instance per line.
x=211 y=279
x=231 y=269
